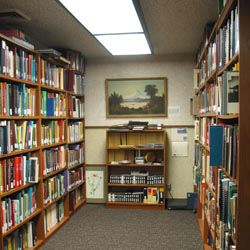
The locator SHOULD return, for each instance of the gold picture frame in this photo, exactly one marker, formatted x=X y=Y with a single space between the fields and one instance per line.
x=136 y=97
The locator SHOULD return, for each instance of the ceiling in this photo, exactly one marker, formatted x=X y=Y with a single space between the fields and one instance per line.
x=174 y=26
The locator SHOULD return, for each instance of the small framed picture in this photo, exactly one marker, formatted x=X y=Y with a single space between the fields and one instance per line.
x=95 y=184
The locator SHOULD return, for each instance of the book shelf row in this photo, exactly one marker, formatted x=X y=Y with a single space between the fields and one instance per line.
x=18 y=135
x=42 y=143
x=217 y=130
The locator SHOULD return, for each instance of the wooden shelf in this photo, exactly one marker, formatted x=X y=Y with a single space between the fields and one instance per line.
x=233 y=171
x=131 y=205
x=144 y=182
x=56 y=154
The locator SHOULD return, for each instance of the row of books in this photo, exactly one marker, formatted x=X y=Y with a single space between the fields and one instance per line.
x=52 y=131
x=210 y=208
x=224 y=147
x=227 y=206
x=211 y=175
x=53 y=159
x=16 y=208
x=22 y=134
x=75 y=131
x=227 y=43
x=75 y=154
x=221 y=98
x=228 y=39
x=18 y=171
x=51 y=74
x=55 y=186
x=53 y=104
x=224 y=46
x=18 y=36
x=75 y=107
x=197 y=178
x=200 y=157
x=135 y=179
x=17 y=135
x=77 y=60
x=13 y=33
x=75 y=196
x=16 y=62
x=211 y=58
x=154 y=195
x=75 y=82
x=126 y=196
x=22 y=238
x=52 y=215
x=17 y=100
x=76 y=176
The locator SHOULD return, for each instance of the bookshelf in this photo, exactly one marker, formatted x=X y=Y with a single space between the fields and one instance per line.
x=135 y=169
x=221 y=164
x=42 y=163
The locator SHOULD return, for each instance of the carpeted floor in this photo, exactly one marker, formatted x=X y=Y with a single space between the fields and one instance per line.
x=95 y=227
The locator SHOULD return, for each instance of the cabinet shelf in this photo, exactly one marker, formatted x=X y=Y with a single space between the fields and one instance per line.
x=136 y=173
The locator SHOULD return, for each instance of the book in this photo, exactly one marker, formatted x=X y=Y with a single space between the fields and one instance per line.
x=13 y=32
x=232 y=94
x=216 y=145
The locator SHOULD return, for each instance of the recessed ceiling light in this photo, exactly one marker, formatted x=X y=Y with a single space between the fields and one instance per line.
x=114 y=23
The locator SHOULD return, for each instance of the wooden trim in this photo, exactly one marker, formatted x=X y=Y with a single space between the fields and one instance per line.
x=164 y=126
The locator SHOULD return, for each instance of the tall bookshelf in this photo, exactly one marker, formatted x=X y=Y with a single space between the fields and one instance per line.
x=221 y=169
x=42 y=165
x=135 y=169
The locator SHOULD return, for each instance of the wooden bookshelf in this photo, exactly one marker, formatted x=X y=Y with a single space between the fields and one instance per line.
x=42 y=145
x=224 y=183
x=135 y=169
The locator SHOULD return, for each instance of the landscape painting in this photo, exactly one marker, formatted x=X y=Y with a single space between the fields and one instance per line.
x=136 y=97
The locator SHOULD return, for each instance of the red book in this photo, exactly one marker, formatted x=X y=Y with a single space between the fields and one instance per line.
x=17 y=168
x=13 y=32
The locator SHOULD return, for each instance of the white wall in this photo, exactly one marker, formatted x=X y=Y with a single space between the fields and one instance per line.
x=179 y=73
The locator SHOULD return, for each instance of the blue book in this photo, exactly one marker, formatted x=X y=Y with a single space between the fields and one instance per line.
x=216 y=145
x=50 y=107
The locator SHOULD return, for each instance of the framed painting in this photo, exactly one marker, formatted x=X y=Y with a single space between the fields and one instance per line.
x=136 y=97
x=95 y=184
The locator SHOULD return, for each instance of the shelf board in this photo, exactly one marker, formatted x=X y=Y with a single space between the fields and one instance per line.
x=135 y=205
x=134 y=185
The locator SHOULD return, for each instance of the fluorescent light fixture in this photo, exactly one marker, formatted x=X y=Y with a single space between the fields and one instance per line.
x=113 y=23
x=125 y=44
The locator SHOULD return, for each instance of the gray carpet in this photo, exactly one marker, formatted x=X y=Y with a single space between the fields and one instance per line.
x=95 y=227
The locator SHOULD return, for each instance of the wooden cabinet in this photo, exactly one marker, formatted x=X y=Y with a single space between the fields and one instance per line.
x=136 y=169
x=221 y=162
x=42 y=165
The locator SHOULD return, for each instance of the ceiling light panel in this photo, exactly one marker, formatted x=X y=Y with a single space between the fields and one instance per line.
x=105 y=16
x=125 y=44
